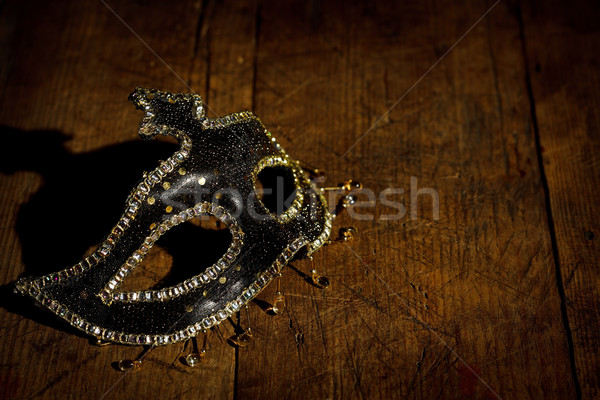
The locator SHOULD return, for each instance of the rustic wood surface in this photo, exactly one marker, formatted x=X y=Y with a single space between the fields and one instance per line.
x=489 y=110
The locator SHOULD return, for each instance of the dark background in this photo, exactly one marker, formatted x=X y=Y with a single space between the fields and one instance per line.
x=499 y=115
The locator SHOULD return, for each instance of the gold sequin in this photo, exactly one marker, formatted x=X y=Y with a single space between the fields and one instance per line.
x=169 y=209
x=182 y=171
x=202 y=181
x=151 y=200
x=153 y=225
x=166 y=185
x=222 y=279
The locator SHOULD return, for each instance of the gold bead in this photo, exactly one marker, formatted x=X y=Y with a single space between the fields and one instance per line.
x=320 y=280
x=349 y=200
x=279 y=304
x=194 y=359
x=244 y=338
x=128 y=365
x=348 y=233
x=349 y=185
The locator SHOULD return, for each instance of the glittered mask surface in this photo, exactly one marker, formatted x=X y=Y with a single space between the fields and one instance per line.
x=214 y=173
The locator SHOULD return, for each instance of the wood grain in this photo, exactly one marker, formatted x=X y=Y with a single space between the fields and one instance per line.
x=432 y=303
x=563 y=47
x=465 y=303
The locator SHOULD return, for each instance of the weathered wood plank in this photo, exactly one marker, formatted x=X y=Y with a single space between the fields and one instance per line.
x=563 y=48
x=64 y=98
x=418 y=308
x=231 y=32
x=430 y=305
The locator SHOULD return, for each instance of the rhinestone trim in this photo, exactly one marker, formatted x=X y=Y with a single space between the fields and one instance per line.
x=148 y=128
x=282 y=161
x=231 y=119
x=133 y=203
x=324 y=236
x=158 y=340
x=109 y=294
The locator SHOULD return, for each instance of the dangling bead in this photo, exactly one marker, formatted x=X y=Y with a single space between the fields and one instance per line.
x=319 y=280
x=195 y=358
x=128 y=365
x=348 y=200
x=348 y=233
x=279 y=304
x=244 y=338
x=350 y=185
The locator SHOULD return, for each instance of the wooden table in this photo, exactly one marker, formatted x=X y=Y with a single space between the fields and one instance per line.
x=490 y=108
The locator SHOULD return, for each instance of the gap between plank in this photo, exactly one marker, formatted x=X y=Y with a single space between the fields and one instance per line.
x=546 y=187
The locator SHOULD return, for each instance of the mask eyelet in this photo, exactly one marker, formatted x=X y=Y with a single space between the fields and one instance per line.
x=109 y=293
x=283 y=170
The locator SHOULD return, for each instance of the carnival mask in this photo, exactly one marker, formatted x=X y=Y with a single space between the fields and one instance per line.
x=214 y=173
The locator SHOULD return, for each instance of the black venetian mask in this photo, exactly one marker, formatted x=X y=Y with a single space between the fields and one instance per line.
x=213 y=173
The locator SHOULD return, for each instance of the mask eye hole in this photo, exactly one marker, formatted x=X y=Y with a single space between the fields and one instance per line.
x=175 y=257
x=276 y=188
